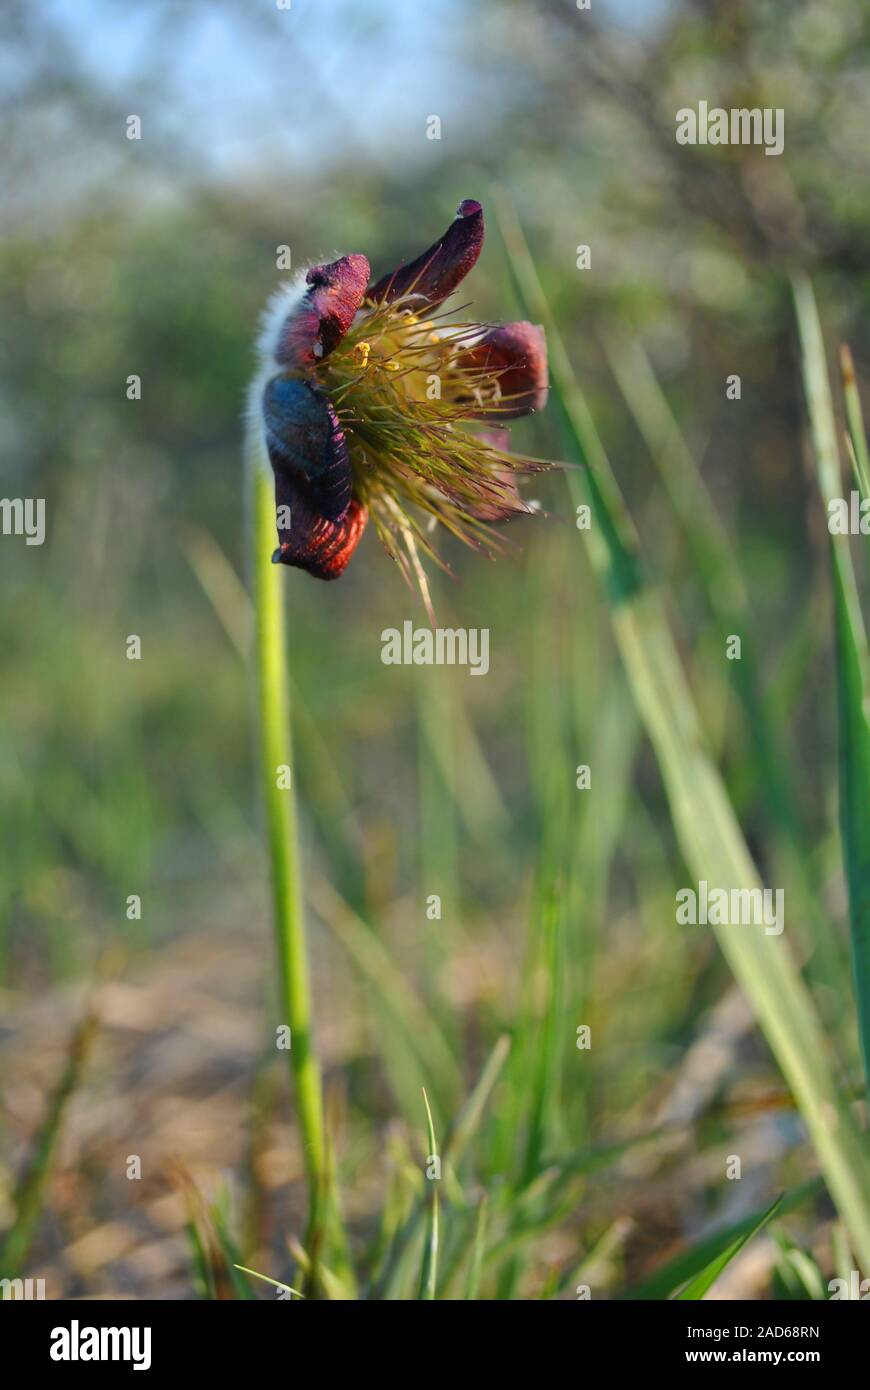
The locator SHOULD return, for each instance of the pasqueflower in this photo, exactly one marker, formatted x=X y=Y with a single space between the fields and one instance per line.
x=369 y=400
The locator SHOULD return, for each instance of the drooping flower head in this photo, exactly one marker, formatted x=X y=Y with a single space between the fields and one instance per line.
x=370 y=404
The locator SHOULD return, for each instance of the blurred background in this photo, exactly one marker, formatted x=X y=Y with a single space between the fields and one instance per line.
x=307 y=127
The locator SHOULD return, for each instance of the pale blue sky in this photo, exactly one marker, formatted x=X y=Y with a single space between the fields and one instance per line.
x=375 y=66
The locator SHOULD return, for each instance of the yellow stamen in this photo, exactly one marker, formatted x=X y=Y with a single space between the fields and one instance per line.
x=361 y=354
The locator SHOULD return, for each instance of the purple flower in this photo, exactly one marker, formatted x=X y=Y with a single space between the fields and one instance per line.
x=364 y=401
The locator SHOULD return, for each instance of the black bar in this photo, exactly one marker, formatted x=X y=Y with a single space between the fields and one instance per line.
x=233 y=1339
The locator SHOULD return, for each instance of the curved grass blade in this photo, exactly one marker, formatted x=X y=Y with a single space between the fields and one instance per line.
x=704 y=1281
x=266 y=1280
x=429 y=1270
x=689 y=1263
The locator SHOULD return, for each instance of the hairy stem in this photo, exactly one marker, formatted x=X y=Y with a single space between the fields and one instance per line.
x=273 y=708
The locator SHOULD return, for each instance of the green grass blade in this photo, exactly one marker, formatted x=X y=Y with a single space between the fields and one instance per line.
x=709 y=542
x=203 y=1276
x=429 y=1268
x=689 y=1263
x=461 y=1133
x=704 y=1281
x=543 y=1018
x=31 y=1188
x=229 y=1251
x=797 y=1272
x=410 y=1015
x=708 y=833
x=438 y=850
x=468 y=1120
x=266 y=1280
x=853 y=699
x=717 y=563
x=855 y=417
x=476 y=1267
x=853 y=660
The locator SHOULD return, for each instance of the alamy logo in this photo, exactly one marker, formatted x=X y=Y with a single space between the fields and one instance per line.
x=739 y=126
x=22 y=1289
x=23 y=516
x=439 y=646
x=737 y=907
x=75 y=1343
x=850 y=518
x=854 y=1288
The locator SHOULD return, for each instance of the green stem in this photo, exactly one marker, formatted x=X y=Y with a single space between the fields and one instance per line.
x=280 y=803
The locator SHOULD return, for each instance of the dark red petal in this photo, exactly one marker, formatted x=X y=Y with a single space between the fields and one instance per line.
x=435 y=274
x=307 y=449
x=322 y=547
x=514 y=357
x=325 y=312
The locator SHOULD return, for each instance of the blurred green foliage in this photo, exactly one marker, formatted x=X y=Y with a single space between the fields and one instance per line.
x=119 y=777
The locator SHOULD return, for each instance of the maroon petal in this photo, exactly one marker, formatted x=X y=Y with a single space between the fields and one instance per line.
x=321 y=547
x=510 y=365
x=435 y=274
x=324 y=314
